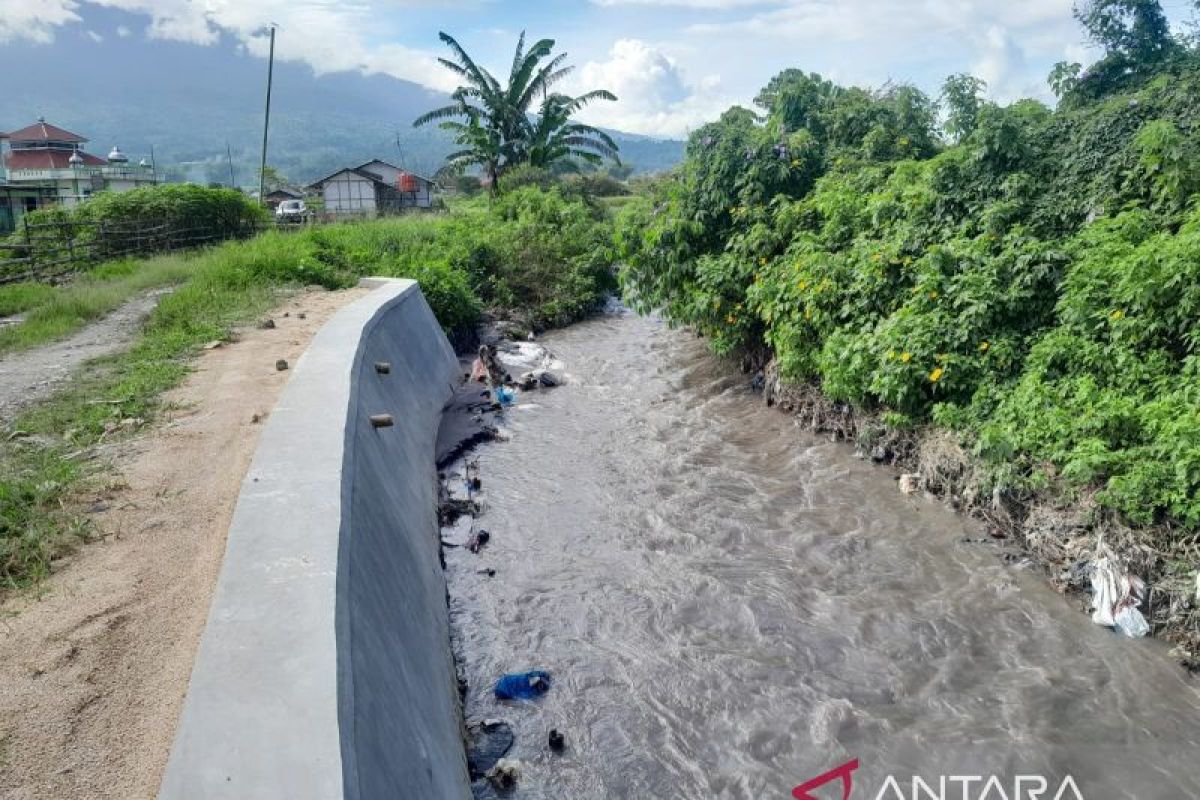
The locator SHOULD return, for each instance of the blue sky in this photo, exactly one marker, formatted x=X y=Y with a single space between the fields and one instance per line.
x=673 y=63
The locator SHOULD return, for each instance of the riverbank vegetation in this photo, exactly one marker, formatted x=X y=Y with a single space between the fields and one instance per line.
x=1019 y=282
x=532 y=256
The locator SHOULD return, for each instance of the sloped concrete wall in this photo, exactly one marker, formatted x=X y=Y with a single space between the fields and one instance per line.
x=325 y=669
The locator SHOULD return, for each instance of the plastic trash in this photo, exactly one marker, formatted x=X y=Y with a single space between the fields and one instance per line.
x=1130 y=622
x=1116 y=596
x=505 y=774
x=523 y=685
x=504 y=396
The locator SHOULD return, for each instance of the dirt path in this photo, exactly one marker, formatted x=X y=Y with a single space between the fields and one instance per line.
x=29 y=376
x=93 y=674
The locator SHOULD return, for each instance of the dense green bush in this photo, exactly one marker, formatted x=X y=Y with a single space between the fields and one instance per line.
x=141 y=221
x=1034 y=286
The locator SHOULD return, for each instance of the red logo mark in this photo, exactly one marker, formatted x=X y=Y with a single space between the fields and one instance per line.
x=801 y=792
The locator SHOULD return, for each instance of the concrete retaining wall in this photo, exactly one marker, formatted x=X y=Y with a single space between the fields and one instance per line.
x=325 y=669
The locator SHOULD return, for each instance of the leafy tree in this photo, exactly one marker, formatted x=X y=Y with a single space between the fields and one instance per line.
x=273 y=179
x=1135 y=29
x=962 y=96
x=491 y=120
x=1064 y=78
x=1136 y=38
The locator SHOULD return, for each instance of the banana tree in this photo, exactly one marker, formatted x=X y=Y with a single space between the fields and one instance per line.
x=492 y=123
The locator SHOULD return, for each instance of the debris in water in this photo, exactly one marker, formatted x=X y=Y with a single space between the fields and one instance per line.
x=478 y=540
x=1116 y=595
x=487 y=743
x=523 y=685
x=558 y=742
x=505 y=774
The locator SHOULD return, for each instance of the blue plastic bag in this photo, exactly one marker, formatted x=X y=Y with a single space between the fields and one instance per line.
x=504 y=396
x=523 y=685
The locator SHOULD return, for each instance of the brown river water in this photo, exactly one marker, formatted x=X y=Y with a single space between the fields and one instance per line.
x=731 y=606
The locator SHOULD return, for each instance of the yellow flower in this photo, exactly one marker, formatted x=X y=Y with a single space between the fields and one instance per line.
x=1117 y=315
x=891 y=355
x=936 y=375
x=906 y=357
x=802 y=285
x=984 y=347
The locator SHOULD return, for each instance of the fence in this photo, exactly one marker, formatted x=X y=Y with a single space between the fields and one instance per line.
x=50 y=252
x=53 y=251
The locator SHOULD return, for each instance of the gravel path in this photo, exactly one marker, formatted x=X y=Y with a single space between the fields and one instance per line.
x=31 y=375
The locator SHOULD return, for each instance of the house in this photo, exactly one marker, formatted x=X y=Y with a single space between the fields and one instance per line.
x=277 y=196
x=373 y=189
x=42 y=164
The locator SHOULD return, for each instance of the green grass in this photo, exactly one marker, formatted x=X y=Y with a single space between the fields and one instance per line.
x=529 y=255
x=55 y=312
x=18 y=297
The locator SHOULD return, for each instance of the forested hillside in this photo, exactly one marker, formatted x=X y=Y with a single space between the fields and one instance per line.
x=1025 y=278
x=188 y=102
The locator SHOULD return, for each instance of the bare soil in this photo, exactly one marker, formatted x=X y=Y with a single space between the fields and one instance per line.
x=32 y=375
x=95 y=666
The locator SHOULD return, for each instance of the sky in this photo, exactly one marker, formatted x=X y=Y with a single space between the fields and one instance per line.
x=673 y=64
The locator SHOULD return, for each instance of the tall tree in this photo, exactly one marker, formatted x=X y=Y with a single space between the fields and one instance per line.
x=962 y=97
x=1135 y=29
x=492 y=121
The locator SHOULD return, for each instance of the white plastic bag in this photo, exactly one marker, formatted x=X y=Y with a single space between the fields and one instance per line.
x=1116 y=596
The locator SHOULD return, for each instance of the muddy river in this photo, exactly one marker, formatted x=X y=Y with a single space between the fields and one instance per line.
x=730 y=607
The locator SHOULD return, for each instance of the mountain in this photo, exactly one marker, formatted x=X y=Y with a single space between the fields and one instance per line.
x=187 y=102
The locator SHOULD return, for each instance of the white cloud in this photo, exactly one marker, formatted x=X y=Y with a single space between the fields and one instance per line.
x=1010 y=45
x=34 y=20
x=327 y=34
x=123 y=32
x=95 y=37
x=705 y=4
x=654 y=96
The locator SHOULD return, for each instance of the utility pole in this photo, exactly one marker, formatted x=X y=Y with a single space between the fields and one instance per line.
x=262 y=170
x=229 y=155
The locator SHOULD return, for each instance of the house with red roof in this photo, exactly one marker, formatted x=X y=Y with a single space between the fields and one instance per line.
x=42 y=164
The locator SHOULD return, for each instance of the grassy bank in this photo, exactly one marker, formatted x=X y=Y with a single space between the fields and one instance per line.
x=532 y=255
x=1018 y=312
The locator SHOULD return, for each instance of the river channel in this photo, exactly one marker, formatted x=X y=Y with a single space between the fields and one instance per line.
x=730 y=606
